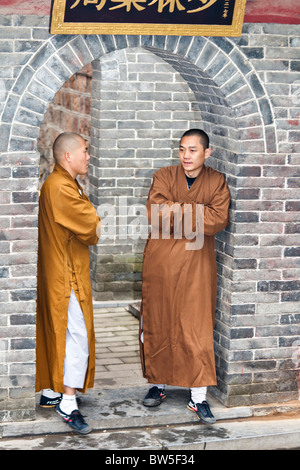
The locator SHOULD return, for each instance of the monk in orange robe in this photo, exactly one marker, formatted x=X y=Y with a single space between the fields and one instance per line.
x=180 y=277
x=68 y=224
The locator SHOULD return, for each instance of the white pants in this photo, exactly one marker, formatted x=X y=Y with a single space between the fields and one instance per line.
x=77 y=346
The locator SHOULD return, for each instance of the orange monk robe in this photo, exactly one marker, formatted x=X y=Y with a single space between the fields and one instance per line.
x=180 y=286
x=67 y=226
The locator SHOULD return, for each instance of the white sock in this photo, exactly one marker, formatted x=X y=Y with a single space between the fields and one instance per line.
x=68 y=403
x=47 y=392
x=198 y=394
x=160 y=386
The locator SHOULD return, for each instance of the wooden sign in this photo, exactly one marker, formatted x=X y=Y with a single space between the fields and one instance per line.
x=158 y=17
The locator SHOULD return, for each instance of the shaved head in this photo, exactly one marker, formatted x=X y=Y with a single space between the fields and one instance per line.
x=66 y=142
x=204 y=139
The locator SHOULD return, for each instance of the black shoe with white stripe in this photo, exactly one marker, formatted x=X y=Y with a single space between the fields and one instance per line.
x=154 y=397
x=46 y=402
x=202 y=411
x=75 y=420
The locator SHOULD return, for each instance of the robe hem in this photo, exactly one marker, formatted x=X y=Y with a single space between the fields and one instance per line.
x=176 y=384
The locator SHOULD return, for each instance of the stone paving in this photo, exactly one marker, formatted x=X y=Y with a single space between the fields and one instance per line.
x=117 y=349
x=119 y=421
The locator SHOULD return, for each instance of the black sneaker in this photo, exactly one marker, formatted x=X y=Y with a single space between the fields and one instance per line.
x=75 y=420
x=202 y=411
x=154 y=397
x=46 y=402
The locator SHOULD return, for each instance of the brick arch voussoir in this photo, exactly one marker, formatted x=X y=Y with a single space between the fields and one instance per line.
x=28 y=104
x=222 y=60
x=211 y=55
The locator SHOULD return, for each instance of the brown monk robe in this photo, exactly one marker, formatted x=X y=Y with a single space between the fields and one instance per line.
x=179 y=284
x=68 y=224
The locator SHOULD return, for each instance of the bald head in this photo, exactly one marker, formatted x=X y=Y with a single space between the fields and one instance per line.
x=66 y=142
x=70 y=152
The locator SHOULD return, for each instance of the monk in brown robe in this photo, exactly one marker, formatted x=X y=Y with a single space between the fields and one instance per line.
x=180 y=277
x=68 y=224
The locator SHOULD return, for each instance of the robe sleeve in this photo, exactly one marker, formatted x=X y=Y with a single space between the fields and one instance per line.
x=216 y=212
x=75 y=213
x=160 y=205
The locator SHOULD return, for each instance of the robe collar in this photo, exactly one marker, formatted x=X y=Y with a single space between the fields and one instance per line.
x=62 y=170
x=59 y=169
x=190 y=193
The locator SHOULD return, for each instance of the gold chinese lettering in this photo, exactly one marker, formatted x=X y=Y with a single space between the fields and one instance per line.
x=162 y=4
x=172 y=4
x=85 y=3
x=226 y=7
x=101 y=5
x=204 y=6
x=128 y=4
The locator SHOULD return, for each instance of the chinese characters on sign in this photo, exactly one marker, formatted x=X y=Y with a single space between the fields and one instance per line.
x=161 y=4
x=226 y=9
x=173 y=17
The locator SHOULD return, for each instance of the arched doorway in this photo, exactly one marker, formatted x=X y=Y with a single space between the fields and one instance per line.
x=225 y=91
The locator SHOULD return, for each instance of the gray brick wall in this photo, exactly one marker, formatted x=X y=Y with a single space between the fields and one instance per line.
x=245 y=93
x=140 y=108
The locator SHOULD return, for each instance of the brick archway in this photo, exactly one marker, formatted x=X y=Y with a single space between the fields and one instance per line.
x=61 y=56
x=237 y=112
